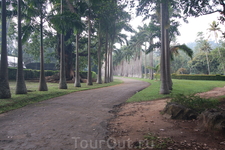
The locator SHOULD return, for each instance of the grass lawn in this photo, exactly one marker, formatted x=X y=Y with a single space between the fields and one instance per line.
x=34 y=95
x=186 y=87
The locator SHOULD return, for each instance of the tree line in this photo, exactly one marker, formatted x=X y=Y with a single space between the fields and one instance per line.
x=77 y=28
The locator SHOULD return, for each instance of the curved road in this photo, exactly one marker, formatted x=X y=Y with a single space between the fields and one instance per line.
x=74 y=121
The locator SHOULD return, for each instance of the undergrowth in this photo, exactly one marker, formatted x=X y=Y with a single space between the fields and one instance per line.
x=195 y=102
x=153 y=141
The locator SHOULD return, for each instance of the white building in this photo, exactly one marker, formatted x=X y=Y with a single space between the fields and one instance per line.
x=12 y=61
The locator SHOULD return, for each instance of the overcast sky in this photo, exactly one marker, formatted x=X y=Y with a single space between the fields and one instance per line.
x=188 y=30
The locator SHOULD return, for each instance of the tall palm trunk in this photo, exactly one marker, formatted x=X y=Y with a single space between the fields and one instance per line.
x=151 y=73
x=20 y=82
x=168 y=53
x=108 y=70
x=145 y=62
x=99 y=80
x=106 y=59
x=62 y=80
x=167 y=46
x=42 y=81
x=77 y=75
x=140 y=67
x=164 y=89
x=89 y=76
x=4 y=84
x=111 y=61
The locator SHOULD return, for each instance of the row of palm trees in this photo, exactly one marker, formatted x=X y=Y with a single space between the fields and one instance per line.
x=104 y=18
x=161 y=29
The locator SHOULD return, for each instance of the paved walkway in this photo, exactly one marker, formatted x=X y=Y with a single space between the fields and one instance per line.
x=74 y=121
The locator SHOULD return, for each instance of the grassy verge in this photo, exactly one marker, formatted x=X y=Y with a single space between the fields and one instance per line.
x=186 y=87
x=34 y=95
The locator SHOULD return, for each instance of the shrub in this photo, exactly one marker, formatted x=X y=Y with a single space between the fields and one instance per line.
x=198 y=77
x=195 y=102
x=83 y=74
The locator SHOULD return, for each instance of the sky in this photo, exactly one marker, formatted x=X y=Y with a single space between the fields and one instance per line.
x=188 y=30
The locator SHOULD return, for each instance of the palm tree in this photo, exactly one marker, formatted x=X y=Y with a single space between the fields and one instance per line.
x=20 y=82
x=42 y=81
x=214 y=28
x=62 y=81
x=4 y=84
x=204 y=46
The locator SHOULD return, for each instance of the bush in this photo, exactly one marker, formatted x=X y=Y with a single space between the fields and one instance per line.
x=83 y=75
x=198 y=77
x=195 y=102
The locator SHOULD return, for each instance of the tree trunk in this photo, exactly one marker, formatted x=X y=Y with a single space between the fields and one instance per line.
x=62 y=80
x=164 y=89
x=42 y=81
x=140 y=67
x=108 y=73
x=106 y=59
x=89 y=77
x=20 y=82
x=99 y=79
x=77 y=76
x=111 y=62
x=69 y=61
x=167 y=46
x=168 y=54
x=4 y=84
x=145 y=62
x=151 y=75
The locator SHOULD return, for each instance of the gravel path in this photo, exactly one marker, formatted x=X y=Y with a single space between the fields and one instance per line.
x=74 y=121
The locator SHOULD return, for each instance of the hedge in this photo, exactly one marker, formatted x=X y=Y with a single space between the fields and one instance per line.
x=33 y=74
x=28 y=73
x=198 y=77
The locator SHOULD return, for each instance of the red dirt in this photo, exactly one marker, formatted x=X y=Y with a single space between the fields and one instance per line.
x=135 y=120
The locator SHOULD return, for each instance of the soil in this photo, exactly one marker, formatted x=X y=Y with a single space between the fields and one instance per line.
x=134 y=121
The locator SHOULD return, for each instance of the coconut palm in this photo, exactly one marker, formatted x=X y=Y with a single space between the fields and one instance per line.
x=214 y=29
x=20 y=82
x=4 y=84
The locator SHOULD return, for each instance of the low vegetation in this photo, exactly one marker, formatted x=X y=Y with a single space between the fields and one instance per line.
x=186 y=87
x=153 y=141
x=195 y=102
x=34 y=95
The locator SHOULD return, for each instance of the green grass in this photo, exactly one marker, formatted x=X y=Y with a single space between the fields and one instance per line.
x=34 y=95
x=186 y=87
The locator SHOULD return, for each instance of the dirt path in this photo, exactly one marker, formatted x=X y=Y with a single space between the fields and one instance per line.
x=74 y=121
